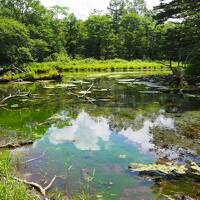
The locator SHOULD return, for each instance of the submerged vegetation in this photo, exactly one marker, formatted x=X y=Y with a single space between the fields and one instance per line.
x=54 y=107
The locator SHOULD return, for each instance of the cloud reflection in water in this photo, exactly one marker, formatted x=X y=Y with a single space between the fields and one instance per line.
x=87 y=132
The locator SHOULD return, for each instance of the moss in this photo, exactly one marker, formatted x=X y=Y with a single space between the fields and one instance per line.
x=191 y=131
x=159 y=169
x=179 y=188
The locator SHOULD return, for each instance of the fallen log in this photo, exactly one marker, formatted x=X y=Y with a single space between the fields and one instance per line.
x=44 y=78
x=33 y=79
x=15 y=145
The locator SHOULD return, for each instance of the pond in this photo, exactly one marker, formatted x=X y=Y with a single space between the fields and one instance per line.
x=89 y=131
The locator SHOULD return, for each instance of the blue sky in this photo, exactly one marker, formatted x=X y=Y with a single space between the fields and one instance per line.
x=82 y=8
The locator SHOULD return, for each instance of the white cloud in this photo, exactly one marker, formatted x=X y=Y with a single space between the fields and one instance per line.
x=82 y=8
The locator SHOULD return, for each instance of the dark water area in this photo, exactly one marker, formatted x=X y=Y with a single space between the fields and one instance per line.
x=89 y=137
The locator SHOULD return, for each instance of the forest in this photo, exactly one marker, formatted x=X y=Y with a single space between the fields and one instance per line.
x=29 y=32
x=101 y=108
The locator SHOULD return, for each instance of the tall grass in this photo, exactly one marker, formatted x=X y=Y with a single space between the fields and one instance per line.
x=50 y=68
x=9 y=188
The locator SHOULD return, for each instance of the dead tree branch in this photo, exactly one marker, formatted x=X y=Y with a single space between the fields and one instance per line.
x=38 y=187
x=88 y=90
x=14 y=96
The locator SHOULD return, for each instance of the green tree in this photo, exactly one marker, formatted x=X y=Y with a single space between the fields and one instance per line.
x=185 y=36
x=73 y=35
x=14 y=41
x=40 y=50
x=133 y=36
x=100 y=37
x=116 y=10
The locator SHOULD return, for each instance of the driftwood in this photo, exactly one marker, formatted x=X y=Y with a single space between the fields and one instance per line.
x=15 y=145
x=38 y=187
x=15 y=96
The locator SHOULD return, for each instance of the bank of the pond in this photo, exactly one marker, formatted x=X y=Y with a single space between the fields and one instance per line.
x=12 y=187
x=55 y=70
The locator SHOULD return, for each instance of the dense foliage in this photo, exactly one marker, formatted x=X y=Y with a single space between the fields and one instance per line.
x=30 y=32
x=184 y=38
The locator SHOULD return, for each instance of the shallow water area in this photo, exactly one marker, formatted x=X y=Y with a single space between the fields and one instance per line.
x=88 y=139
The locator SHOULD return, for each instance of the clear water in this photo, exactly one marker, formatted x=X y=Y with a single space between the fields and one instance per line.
x=89 y=145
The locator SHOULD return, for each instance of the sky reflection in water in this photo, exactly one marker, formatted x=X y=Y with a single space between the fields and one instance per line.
x=86 y=132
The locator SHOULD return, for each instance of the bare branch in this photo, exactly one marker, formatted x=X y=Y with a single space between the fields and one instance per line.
x=88 y=90
x=38 y=187
x=14 y=96
x=50 y=184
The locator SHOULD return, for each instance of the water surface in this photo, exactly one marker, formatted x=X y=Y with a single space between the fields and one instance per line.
x=89 y=143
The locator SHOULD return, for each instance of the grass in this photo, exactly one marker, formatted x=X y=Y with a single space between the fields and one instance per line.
x=50 y=68
x=13 y=190
x=9 y=188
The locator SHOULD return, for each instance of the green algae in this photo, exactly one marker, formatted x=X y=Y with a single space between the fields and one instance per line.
x=168 y=169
